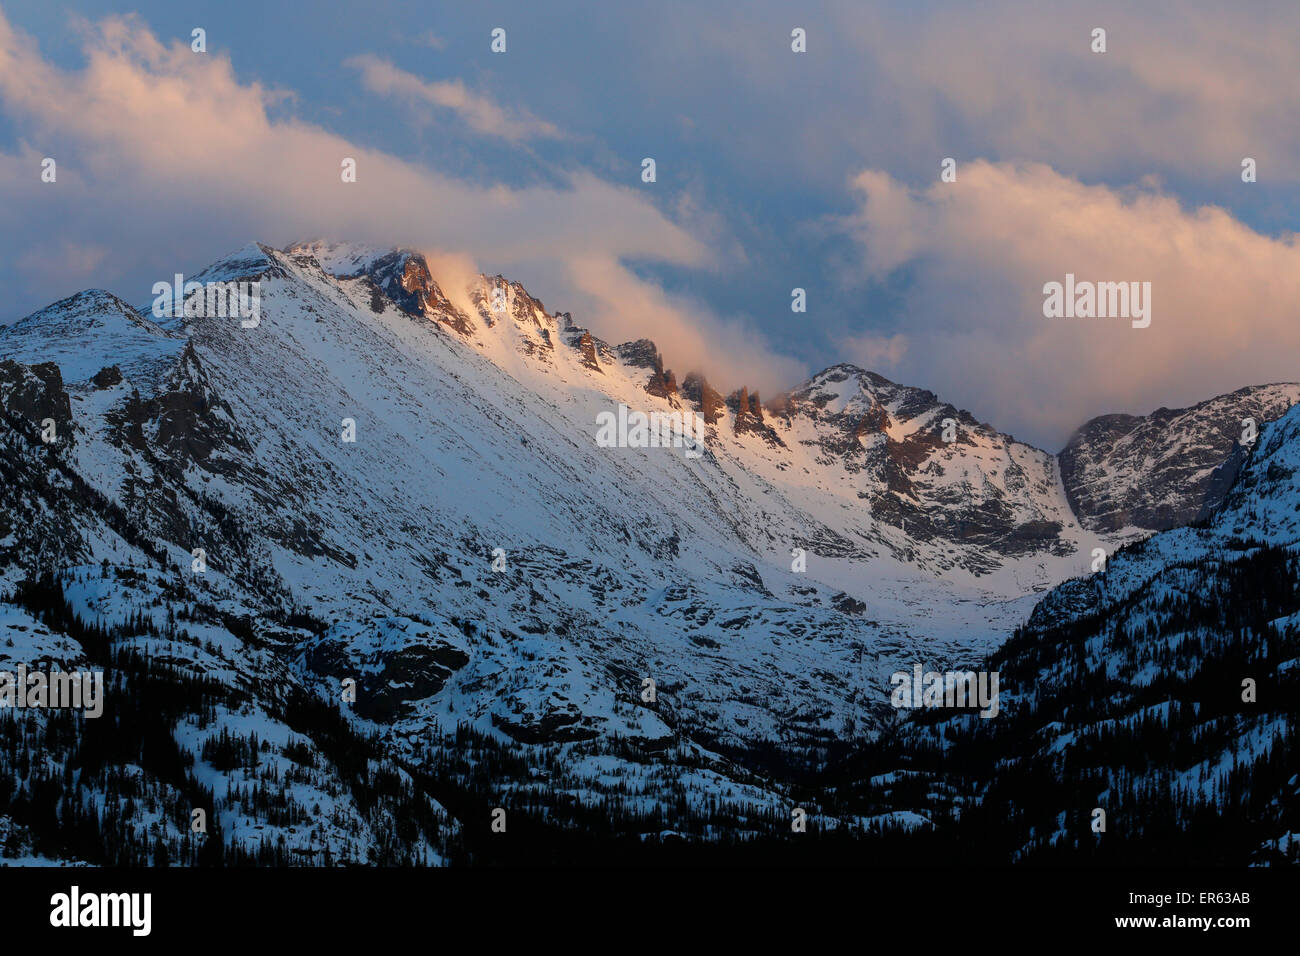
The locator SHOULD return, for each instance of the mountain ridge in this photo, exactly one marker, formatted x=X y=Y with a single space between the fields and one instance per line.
x=375 y=483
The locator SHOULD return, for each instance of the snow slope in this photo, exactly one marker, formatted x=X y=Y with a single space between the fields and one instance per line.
x=768 y=588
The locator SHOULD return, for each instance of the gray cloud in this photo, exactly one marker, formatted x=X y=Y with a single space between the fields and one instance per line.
x=1223 y=295
x=167 y=159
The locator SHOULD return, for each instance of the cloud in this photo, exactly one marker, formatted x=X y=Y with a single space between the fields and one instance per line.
x=1182 y=85
x=729 y=352
x=480 y=112
x=874 y=352
x=970 y=260
x=70 y=259
x=168 y=155
x=431 y=40
x=1187 y=87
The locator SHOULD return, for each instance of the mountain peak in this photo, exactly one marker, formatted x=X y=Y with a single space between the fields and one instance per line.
x=89 y=305
x=1108 y=463
x=341 y=259
x=88 y=331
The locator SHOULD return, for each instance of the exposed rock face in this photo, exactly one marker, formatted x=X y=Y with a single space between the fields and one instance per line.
x=644 y=354
x=405 y=278
x=526 y=307
x=749 y=416
x=399 y=275
x=193 y=421
x=587 y=349
x=695 y=388
x=107 y=377
x=1169 y=617
x=1168 y=468
x=185 y=422
x=87 y=331
x=748 y=577
x=981 y=487
x=739 y=403
x=555 y=726
x=31 y=394
x=846 y=604
x=394 y=662
x=47 y=509
x=663 y=384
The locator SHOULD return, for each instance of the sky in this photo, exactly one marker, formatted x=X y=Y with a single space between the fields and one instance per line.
x=775 y=170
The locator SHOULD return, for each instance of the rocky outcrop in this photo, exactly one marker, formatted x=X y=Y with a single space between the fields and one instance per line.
x=639 y=354
x=405 y=278
x=663 y=384
x=586 y=347
x=185 y=423
x=644 y=354
x=749 y=416
x=107 y=377
x=411 y=663
x=32 y=394
x=1168 y=468
x=695 y=388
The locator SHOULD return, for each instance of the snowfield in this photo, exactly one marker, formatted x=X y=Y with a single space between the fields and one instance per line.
x=399 y=485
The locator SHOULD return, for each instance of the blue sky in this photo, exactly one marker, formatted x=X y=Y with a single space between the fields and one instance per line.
x=775 y=170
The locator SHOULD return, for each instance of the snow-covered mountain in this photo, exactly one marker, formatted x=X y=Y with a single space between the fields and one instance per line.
x=493 y=578
x=1161 y=691
x=1168 y=468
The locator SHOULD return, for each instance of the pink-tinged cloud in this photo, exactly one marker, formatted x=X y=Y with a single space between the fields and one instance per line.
x=480 y=112
x=1223 y=309
x=167 y=151
x=879 y=353
x=1183 y=85
x=1186 y=87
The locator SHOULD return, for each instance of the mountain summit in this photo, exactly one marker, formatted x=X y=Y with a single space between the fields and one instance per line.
x=397 y=483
